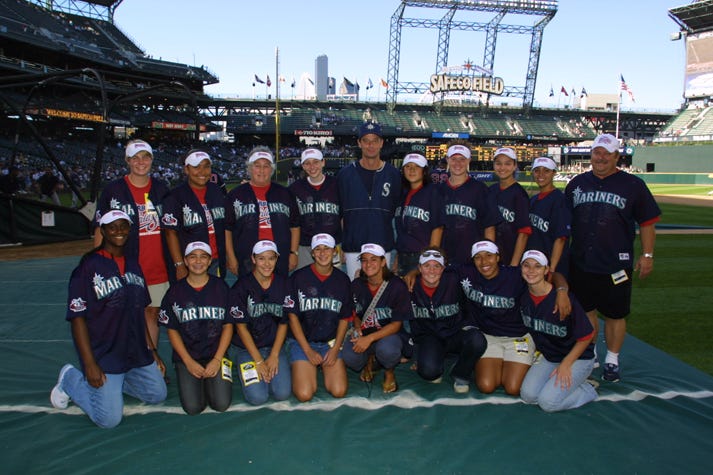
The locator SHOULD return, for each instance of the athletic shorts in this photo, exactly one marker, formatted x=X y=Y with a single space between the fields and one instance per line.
x=156 y=292
x=599 y=292
x=296 y=353
x=519 y=349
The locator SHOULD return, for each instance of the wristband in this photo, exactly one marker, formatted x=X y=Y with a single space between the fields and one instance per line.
x=259 y=362
x=178 y=264
x=648 y=255
x=296 y=253
x=562 y=288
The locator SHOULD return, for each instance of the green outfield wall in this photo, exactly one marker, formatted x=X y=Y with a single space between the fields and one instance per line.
x=675 y=159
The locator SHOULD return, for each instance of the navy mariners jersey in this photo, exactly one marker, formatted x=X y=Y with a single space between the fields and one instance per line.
x=113 y=307
x=442 y=315
x=242 y=217
x=553 y=337
x=513 y=204
x=604 y=214
x=197 y=315
x=319 y=305
x=116 y=195
x=318 y=208
x=392 y=306
x=551 y=219
x=262 y=310
x=468 y=211
x=416 y=220
x=494 y=303
x=183 y=213
x=367 y=217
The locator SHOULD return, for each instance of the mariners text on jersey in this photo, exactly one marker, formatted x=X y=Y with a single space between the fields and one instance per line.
x=319 y=303
x=539 y=223
x=508 y=214
x=198 y=313
x=416 y=213
x=580 y=197
x=544 y=327
x=104 y=288
x=307 y=207
x=244 y=209
x=441 y=311
x=455 y=209
x=490 y=301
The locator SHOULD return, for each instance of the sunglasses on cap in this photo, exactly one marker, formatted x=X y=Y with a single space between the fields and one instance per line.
x=432 y=254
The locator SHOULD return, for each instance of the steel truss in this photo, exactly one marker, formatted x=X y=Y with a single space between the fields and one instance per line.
x=546 y=9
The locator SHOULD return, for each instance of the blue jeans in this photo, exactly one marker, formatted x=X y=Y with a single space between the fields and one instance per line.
x=196 y=394
x=431 y=351
x=281 y=385
x=387 y=351
x=105 y=405
x=539 y=388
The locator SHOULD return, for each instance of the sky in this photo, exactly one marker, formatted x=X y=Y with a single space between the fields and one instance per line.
x=588 y=44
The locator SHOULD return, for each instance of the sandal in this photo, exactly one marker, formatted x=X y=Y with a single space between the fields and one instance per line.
x=367 y=374
x=391 y=387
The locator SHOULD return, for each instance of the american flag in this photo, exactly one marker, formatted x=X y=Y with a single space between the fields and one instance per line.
x=624 y=87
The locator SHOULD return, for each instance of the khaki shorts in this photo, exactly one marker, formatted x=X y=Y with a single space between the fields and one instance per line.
x=156 y=292
x=514 y=349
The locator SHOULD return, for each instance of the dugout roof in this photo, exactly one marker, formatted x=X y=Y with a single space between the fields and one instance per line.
x=695 y=17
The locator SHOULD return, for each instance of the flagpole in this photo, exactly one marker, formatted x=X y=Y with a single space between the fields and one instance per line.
x=618 y=106
x=277 y=105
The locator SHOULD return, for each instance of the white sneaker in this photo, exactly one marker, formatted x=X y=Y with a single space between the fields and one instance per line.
x=461 y=387
x=59 y=398
x=437 y=380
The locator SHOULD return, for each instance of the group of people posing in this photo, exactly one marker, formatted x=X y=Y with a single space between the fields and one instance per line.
x=433 y=273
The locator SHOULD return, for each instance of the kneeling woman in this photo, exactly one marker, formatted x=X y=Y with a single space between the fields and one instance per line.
x=107 y=297
x=259 y=303
x=319 y=322
x=558 y=379
x=439 y=325
x=381 y=301
x=199 y=329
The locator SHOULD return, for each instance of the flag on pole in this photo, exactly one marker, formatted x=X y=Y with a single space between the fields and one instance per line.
x=269 y=83
x=564 y=91
x=257 y=79
x=348 y=83
x=282 y=78
x=384 y=84
x=552 y=91
x=293 y=83
x=624 y=87
x=573 y=92
x=584 y=93
x=369 y=84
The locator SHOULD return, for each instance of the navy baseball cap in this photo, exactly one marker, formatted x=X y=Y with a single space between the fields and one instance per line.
x=370 y=127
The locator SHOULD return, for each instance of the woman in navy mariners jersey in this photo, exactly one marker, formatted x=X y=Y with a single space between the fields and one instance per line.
x=514 y=205
x=195 y=211
x=419 y=218
x=550 y=217
x=470 y=214
x=375 y=335
x=261 y=210
x=318 y=322
x=259 y=303
x=439 y=326
x=141 y=196
x=558 y=379
x=493 y=293
x=317 y=199
x=107 y=297
x=194 y=311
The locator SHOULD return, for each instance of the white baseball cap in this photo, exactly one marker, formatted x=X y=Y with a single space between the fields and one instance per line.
x=373 y=249
x=538 y=256
x=431 y=255
x=261 y=154
x=608 y=141
x=264 y=246
x=545 y=162
x=135 y=147
x=311 y=153
x=458 y=150
x=323 y=239
x=112 y=216
x=196 y=158
x=507 y=151
x=416 y=158
x=484 y=246
x=198 y=246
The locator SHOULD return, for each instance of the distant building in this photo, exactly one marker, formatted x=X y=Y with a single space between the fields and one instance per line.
x=599 y=102
x=321 y=77
x=305 y=89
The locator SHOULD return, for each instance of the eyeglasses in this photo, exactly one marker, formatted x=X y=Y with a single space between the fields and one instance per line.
x=432 y=254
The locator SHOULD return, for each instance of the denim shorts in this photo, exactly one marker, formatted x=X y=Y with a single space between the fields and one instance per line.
x=296 y=354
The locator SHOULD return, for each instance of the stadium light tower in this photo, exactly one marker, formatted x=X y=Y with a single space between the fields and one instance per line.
x=544 y=10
